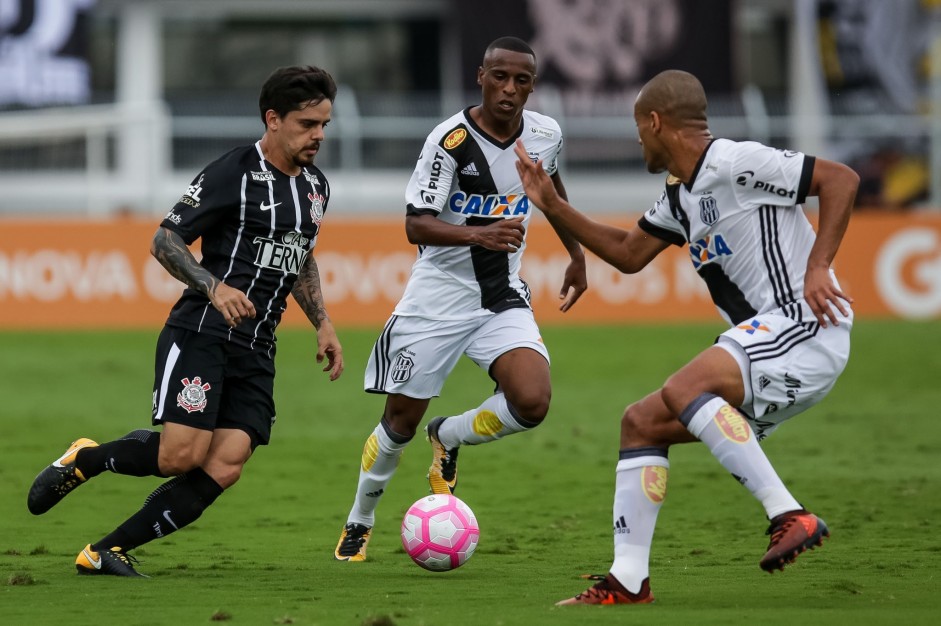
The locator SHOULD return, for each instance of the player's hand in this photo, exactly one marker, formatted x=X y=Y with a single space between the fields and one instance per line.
x=574 y=284
x=232 y=304
x=823 y=296
x=536 y=183
x=328 y=345
x=502 y=235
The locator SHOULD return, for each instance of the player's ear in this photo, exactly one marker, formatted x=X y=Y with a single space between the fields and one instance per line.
x=272 y=120
x=480 y=75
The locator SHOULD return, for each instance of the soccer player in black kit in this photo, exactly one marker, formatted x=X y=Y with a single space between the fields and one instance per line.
x=258 y=211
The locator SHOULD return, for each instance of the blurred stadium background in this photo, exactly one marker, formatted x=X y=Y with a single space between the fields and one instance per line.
x=108 y=108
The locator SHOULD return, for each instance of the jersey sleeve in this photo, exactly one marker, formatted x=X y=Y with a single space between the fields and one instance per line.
x=428 y=188
x=768 y=176
x=660 y=222
x=204 y=203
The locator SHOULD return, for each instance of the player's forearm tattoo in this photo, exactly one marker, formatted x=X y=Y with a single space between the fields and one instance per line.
x=308 y=294
x=173 y=254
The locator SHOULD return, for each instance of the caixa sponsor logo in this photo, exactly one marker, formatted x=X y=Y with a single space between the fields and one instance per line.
x=708 y=249
x=495 y=205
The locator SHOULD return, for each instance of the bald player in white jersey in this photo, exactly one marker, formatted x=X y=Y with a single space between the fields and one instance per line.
x=466 y=211
x=737 y=205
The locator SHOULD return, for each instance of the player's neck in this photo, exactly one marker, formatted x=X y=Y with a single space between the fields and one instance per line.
x=278 y=159
x=499 y=130
x=686 y=156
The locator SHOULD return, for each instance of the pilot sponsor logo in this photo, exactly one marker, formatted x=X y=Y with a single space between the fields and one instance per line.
x=511 y=205
x=435 y=171
x=286 y=255
x=456 y=138
x=747 y=178
x=708 y=249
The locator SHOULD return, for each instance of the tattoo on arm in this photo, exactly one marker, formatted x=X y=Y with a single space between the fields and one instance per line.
x=174 y=255
x=308 y=293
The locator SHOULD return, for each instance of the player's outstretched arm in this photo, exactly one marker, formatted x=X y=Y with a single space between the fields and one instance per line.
x=627 y=250
x=175 y=256
x=575 y=280
x=835 y=186
x=309 y=297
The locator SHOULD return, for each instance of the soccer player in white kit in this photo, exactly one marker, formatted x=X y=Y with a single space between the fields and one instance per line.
x=468 y=216
x=737 y=205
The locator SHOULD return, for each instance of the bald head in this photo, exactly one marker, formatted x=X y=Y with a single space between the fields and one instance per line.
x=675 y=95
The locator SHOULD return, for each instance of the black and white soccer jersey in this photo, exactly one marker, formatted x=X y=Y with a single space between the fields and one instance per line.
x=257 y=226
x=465 y=176
x=748 y=236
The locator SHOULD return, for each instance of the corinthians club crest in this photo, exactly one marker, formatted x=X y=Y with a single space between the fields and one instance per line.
x=316 y=208
x=193 y=396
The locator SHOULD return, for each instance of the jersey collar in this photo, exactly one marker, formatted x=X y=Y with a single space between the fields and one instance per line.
x=702 y=158
x=503 y=145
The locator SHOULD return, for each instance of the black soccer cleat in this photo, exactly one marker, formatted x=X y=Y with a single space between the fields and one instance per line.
x=113 y=562
x=58 y=480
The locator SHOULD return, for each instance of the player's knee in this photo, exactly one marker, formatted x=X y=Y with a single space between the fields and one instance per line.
x=176 y=461
x=531 y=406
x=635 y=423
x=678 y=394
x=226 y=475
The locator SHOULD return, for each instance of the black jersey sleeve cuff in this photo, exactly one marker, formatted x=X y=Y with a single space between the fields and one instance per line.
x=186 y=236
x=807 y=175
x=660 y=233
x=411 y=209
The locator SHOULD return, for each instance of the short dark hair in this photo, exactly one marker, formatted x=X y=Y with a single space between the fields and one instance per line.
x=513 y=44
x=288 y=88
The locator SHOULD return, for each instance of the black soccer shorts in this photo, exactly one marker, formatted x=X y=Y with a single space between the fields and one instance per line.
x=207 y=382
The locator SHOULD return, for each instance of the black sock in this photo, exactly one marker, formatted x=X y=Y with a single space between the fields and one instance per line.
x=134 y=454
x=174 y=504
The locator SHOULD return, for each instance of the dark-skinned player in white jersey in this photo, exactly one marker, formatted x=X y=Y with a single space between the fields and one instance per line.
x=737 y=205
x=467 y=214
x=257 y=210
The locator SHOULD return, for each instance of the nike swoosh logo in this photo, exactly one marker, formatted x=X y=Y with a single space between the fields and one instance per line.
x=166 y=515
x=268 y=207
x=95 y=562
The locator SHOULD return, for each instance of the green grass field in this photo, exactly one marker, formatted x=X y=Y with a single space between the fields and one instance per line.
x=866 y=459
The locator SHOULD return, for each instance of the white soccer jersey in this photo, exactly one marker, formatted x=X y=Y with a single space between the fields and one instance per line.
x=748 y=236
x=467 y=177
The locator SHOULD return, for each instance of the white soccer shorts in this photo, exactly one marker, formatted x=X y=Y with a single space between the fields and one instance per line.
x=787 y=367
x=414 y=355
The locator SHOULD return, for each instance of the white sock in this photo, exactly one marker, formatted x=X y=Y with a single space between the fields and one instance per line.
x=640 y=487
x=493 y=419
x=380 y=458
x=727 y=434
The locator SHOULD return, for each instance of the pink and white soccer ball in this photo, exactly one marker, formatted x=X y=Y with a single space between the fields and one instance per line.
x=440 y=532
